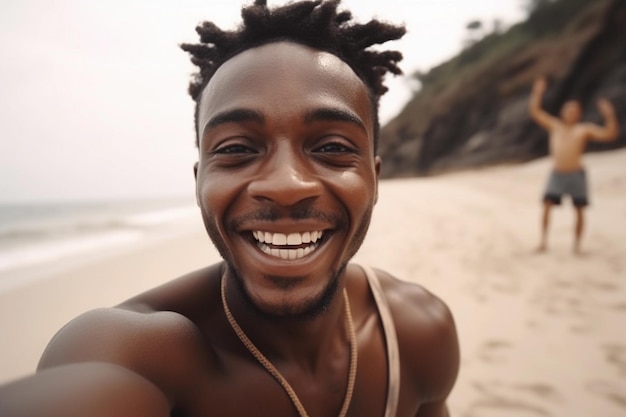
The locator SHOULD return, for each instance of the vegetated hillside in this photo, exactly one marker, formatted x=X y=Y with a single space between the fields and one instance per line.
x=472 y=110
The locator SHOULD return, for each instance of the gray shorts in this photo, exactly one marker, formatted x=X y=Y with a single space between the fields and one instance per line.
x=573 y=184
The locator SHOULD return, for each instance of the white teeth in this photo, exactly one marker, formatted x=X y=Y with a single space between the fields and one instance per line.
x=287 y=254
x=294 y=239
x=281 y=239
x=267 y=242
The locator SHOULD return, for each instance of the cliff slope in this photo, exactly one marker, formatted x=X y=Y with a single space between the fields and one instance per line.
x=472 y=110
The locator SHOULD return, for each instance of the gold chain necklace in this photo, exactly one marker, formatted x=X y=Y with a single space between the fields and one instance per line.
x=277 y=375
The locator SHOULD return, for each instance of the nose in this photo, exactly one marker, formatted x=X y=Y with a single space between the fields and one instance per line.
x=286 y=179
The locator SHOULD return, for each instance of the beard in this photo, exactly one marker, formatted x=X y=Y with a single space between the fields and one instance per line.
x=306 y=310
x=313 y=306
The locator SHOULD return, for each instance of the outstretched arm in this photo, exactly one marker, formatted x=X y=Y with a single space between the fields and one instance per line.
x=610 y=130
x=84 y=389
x=543 y=118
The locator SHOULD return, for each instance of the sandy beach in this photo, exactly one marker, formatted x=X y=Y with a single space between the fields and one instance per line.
x=541 y=334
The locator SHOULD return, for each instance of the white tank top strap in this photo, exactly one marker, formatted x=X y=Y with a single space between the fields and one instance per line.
x=391 y=342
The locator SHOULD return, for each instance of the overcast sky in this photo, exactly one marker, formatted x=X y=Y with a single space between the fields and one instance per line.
x=93 y=99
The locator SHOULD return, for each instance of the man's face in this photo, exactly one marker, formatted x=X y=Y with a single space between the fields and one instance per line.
x=571 y=112
x=286 y=179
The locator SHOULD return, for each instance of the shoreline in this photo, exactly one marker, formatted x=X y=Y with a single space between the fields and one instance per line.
x=31 y=313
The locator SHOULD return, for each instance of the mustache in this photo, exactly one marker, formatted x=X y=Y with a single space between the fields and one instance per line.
x=271 y=214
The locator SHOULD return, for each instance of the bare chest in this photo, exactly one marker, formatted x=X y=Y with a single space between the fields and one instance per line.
x=244 y=388
x=568 y=139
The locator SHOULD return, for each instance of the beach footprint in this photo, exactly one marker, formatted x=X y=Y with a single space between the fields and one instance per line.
x=571 y=301
x=616 y=356
x=610 y=391
x=620 y=307
x=494 y=351
x=497 y=399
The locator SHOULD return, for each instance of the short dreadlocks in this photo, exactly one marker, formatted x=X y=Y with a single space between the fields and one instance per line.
x=316 y=24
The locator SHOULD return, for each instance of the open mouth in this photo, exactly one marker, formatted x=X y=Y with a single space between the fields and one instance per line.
x=288 y=246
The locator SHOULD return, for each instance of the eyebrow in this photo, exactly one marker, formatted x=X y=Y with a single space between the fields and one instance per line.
x=334 y=115
x=248 y=115
x=235 y=116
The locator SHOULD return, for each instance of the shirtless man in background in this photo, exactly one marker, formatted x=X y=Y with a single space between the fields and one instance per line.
x=286 y=181
x=568 y=138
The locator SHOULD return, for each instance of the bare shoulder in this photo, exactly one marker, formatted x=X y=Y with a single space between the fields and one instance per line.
x=586 y=128
x=597 y=132
x=427 y=336
x=114 y=334
x=163 y=316
x=416 y=311
x=164 y=347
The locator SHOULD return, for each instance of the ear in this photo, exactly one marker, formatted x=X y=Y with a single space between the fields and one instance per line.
x=377 y=166
x=195 y=176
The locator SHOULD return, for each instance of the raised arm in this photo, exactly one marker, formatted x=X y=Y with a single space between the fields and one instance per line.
x=610 y=130
x=543 y=118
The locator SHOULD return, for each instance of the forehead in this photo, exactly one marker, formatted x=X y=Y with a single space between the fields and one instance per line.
x=283 y=80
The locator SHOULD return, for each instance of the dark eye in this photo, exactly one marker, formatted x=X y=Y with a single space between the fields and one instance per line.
x=337 y=152
x=334 y=147
x=232 y=154
x=233 y=150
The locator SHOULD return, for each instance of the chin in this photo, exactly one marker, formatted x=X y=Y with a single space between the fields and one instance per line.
x=289 y=304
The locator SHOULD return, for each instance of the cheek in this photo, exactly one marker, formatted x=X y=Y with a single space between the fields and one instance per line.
x=214 y=197
x=209 y=206
x=214 y=194
x=216 y=187
x=359 y=191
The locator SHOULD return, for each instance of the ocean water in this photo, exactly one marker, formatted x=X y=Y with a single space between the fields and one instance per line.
x=33 y=234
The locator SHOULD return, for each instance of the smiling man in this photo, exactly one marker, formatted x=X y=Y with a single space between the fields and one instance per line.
x=287 y=178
